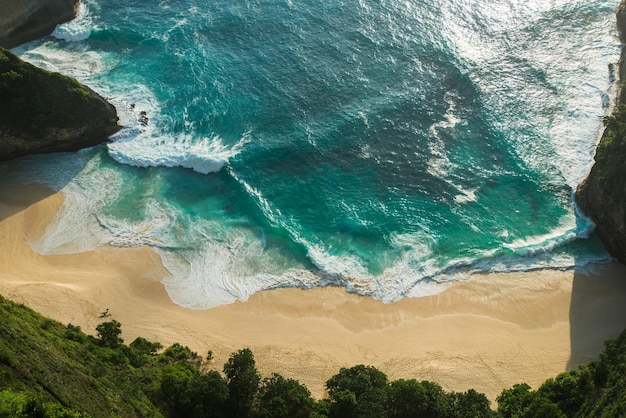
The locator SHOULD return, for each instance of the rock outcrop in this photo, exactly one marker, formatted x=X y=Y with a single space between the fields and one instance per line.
x=602 y=196
x=26 y=20
x=48 y=112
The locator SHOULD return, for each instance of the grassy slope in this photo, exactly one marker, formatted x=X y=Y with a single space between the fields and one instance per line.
x=36 y=99
x=62 y=365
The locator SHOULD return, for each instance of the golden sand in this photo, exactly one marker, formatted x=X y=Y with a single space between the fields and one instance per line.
x=486 y=333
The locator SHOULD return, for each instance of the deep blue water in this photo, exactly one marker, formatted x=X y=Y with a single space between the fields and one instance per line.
x=391 y=147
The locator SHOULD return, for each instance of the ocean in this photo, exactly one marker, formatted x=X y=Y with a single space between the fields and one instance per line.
x=389 y=147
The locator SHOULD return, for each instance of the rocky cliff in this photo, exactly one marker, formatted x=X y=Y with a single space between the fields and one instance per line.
x=48 y=112
x=602 y=196
x=25 y=20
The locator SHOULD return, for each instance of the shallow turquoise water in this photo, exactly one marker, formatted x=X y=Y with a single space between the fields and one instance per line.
x=390 y=147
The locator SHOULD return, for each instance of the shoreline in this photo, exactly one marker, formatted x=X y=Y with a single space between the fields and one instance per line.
x=486 y=333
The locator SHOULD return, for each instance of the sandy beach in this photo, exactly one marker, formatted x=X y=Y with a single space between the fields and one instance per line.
x=486 y=333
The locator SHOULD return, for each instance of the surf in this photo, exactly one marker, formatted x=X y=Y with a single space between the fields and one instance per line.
x=392 y=149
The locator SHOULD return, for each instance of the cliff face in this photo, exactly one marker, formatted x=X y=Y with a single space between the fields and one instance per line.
x=25 y=20
x=48 y=112
x=602 y=196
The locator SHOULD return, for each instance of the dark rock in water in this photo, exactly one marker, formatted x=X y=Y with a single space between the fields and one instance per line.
x=26 y=20
x=602 y=196
x=48 y=112
x=143 y=118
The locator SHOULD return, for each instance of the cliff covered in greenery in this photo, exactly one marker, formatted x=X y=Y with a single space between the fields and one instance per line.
x=51 y=370
x=26 y=20
x=602 y=196
x=48 y=112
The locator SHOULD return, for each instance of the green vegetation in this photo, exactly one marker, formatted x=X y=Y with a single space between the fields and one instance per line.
x=48 y=112
x=109 y=332
x=51 y=370
x=610 y=149
x=35 y=99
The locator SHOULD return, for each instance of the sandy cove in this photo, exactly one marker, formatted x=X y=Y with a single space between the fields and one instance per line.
x=486 y=333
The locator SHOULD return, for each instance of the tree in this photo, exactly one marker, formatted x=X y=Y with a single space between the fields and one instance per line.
x=177 y=352
x=74 y=333
x=24 y=405
x=569 y=390
x=242 y=380
x=521 y=402
x=34 y=409
x=343 y=404
x=173 y=389
x=470 y=404
x=410 y=398
x=140 y=350
x=283 y=398
x=109 y=331
x=512 y=402
x=542 y=407
x=360 y=391
x=211 y=394
x=143 y=346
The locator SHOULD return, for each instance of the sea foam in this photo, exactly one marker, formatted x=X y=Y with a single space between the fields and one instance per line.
x=207 y=155
x=77 y=29
x=79 y=63
x=225 y=271
x=568 y=98
x=75 y=228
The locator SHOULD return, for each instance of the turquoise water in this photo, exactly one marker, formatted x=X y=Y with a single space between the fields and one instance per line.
x=388 y=147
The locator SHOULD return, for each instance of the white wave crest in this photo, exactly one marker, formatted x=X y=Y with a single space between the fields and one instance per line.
x=145 y=142
x=78 y=29
x=207 y=155
x=567 y=231
x=347 y=270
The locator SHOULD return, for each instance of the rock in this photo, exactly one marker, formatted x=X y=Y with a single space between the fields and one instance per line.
x=48 y=112
x=26 y=20
x=143 y=118
x=602 y=196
